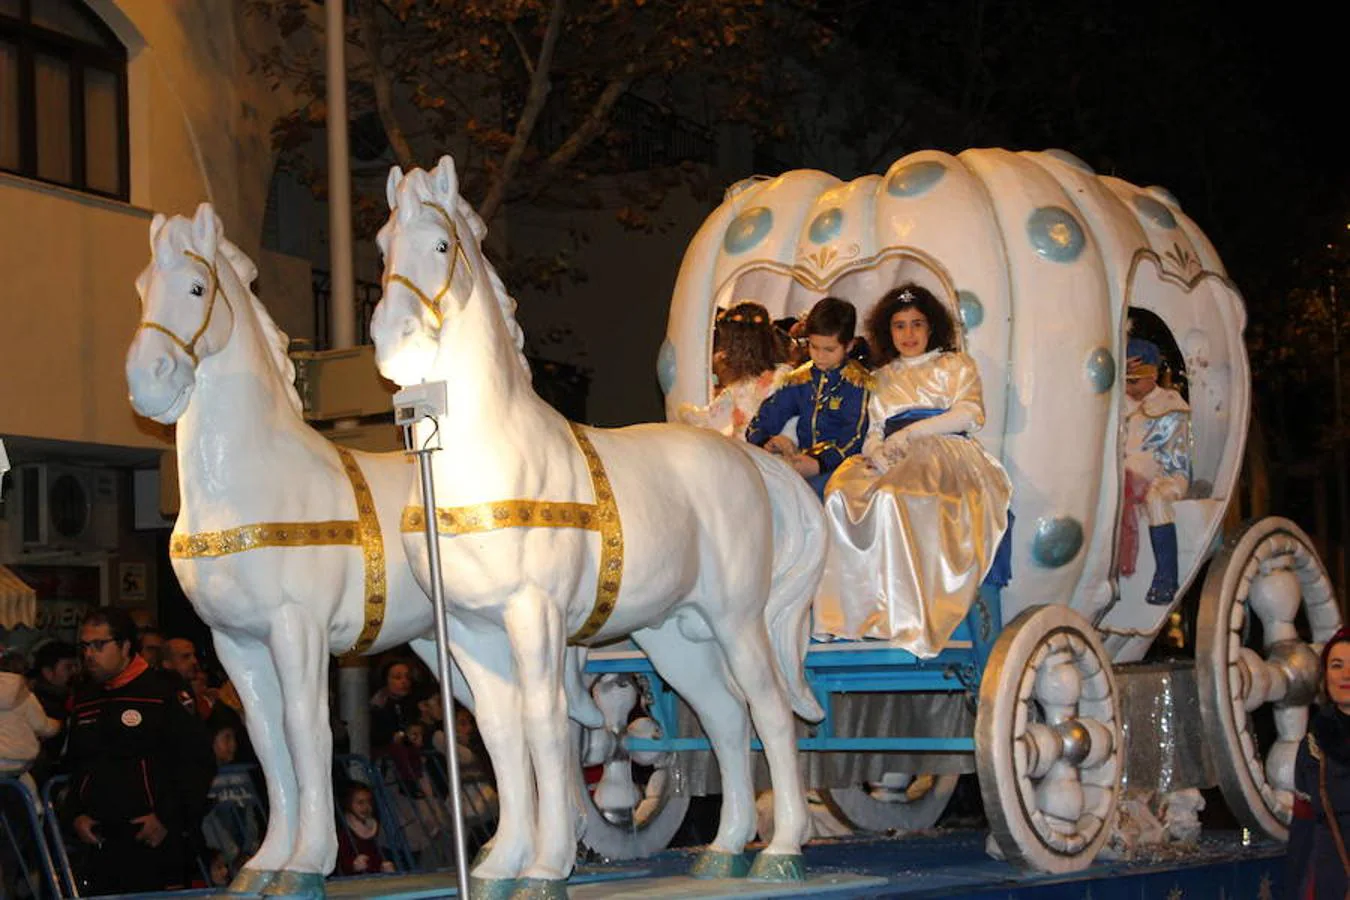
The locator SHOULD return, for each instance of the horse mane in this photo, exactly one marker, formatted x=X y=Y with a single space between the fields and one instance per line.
x=415 y=187
x=278 y=344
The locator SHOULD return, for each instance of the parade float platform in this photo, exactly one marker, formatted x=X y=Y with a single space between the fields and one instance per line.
x=949 y=864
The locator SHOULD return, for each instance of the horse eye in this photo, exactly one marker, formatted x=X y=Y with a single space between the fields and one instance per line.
x=442 y=246
x=198 y=289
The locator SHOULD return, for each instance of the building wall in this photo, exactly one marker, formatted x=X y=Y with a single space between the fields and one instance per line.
x=199 y=126
x=617 y=315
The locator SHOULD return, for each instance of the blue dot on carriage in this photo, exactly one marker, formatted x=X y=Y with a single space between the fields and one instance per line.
x=915 y=179
x=1101 y=370
x=748 y=229
x=826 y=226
x=1154 y=212
x=665 y=366
x=1163 y=194
x=1068 y=158
x=1056 y=234
x=1056 y=541
x=972 y=310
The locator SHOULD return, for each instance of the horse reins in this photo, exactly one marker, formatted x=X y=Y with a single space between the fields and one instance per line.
x=433 y=304
x=190 y=347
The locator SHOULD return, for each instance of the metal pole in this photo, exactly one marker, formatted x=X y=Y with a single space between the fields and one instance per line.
x=341 y=300
x=443 y=658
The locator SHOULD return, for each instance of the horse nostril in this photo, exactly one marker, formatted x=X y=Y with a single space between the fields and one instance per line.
x=163 y=366
x=409 y=326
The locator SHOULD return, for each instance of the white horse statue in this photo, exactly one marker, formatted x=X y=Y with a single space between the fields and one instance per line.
x=285 y=543
x=705 y=551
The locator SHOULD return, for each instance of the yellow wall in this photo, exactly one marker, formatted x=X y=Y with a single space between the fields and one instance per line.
x=199 y=125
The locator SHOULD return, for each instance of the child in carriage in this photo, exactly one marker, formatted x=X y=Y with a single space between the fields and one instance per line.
x=828 y=397
x=917 y=520
x=1157 y=466
x=748 y=364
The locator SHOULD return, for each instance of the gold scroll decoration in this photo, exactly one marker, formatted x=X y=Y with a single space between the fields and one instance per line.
x=363 y=533
x=601 y=516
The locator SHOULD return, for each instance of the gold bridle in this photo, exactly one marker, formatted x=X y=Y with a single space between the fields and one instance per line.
x=190 y=346
x=433 y=304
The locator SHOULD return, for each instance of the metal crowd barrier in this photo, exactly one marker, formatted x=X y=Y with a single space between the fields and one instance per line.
x=23 y=851
x=411 y=802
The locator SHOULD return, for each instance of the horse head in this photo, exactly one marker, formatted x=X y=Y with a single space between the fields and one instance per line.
x=432 y=266
x=185 y=317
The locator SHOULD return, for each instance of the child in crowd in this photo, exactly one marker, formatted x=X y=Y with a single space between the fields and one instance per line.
x=917 y=520
x=359 y=850
x=828 y=397
x=748 y=363
x=22 y=722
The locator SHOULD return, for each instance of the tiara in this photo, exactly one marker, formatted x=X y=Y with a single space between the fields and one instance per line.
x=907 y=296
x=755 y=319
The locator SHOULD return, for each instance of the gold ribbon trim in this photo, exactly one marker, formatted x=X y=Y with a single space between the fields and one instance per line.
x=363 y=533
x=601 y=516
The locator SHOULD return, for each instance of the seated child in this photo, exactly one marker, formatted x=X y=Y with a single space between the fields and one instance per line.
x=828 y=396
x=748 y=363
x=917 y=520
x=359 y=834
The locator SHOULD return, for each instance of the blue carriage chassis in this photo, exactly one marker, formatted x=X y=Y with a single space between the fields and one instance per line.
x=844 y=667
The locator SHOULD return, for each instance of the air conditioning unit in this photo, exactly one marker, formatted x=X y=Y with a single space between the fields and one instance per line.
x=64 y=507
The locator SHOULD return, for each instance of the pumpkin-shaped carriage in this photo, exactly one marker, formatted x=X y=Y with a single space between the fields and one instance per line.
x=1042 y=262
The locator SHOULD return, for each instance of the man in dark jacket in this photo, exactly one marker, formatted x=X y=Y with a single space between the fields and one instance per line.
x=139 y=760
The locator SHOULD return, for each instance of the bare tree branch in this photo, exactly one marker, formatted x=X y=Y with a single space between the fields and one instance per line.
x=383 y=84
x=540 y=84
x=587 y=131
x=520 y=45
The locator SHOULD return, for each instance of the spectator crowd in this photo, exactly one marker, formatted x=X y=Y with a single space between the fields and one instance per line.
x=146 y=757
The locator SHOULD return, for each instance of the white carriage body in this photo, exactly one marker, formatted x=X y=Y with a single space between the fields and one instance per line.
x=1041 y=259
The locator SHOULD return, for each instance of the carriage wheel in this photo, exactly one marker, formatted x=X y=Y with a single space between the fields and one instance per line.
x=1256 y=674
x=899 y=802
x=640 y=800
x=1048 y=741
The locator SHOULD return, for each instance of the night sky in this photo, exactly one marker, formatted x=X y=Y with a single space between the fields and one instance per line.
x=1237 y=109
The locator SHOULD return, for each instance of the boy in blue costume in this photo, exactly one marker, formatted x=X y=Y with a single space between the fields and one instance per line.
x=1157 y=464
x=828 y=396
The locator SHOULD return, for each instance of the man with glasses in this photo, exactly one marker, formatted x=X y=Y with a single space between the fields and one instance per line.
x=139 y=760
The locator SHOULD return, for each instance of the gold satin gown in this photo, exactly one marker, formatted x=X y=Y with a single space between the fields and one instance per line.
x=909 y=547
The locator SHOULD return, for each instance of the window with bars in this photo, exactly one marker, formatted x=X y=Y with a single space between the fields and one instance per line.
x=63 y=97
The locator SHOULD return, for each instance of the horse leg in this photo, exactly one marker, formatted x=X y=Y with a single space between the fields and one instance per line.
x=497 y=696
x=535 y=628
x=249 y=665
x=698 y=672
x=753 y=665
x=300 y=654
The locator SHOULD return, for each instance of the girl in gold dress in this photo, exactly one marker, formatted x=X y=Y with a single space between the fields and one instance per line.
x=916 y=520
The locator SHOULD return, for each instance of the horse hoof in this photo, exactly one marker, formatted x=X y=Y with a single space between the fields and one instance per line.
x=299 y=885
x=778 y=867
x=252 y=881
x=540 y=889
x=492 y=888
x=720 y=864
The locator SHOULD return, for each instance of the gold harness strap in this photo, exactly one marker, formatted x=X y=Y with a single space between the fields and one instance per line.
x=601 y=516
x=363 y=533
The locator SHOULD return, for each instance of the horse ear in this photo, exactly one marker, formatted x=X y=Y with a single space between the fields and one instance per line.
x=391 y=186
x=156 y=226
x=206 y=231
x=445 y=180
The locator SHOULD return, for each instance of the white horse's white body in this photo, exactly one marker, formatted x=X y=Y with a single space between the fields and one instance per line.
x=209 y=358
x=721 y=548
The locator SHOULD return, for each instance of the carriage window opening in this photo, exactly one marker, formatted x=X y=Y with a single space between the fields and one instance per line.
x=63 y=99
x=1148 y=326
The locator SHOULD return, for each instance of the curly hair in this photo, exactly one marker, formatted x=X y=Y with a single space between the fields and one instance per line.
x=941 y=329
x=747 y=342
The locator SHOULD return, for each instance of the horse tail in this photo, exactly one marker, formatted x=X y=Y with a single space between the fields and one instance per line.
x=799 y=544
